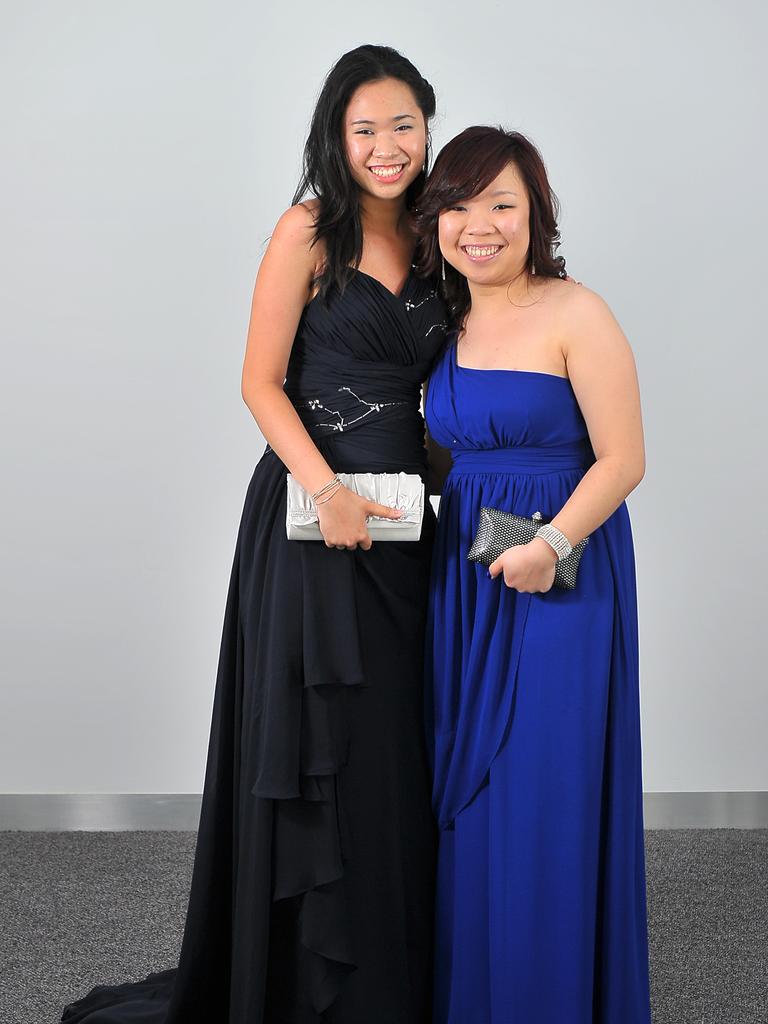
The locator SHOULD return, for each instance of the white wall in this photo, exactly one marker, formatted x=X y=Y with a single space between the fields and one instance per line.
x=147 y=150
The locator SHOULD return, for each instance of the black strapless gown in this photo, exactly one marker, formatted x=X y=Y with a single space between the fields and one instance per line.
x=312 y=890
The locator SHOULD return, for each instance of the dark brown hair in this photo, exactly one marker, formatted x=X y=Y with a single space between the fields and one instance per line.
x=326 y=173
x=464 y=167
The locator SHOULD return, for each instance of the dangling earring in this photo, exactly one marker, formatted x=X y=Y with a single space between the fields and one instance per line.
x=533 y=265
x=443 y=259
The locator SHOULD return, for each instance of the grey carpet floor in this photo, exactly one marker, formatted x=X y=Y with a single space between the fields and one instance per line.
x=86 y=908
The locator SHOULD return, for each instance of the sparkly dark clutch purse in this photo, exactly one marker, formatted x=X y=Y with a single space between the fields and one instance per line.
x=498 y=531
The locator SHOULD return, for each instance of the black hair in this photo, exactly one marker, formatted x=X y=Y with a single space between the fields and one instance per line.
x=326 y=172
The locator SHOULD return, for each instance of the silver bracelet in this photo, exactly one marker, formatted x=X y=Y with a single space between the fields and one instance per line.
x=556 y=540
x=326 y=487
x=329 y=494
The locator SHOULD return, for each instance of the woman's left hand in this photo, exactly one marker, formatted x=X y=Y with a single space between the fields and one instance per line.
x=529 y=568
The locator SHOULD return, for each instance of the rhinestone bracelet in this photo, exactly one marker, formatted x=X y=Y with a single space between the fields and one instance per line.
x=556 y=539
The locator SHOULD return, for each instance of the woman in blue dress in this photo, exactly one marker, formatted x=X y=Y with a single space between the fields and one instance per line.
x=533 y=703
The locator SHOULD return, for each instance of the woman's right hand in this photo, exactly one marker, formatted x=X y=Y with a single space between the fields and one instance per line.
x=343 y=519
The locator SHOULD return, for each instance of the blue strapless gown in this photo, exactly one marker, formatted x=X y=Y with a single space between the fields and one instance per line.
x=533 y=715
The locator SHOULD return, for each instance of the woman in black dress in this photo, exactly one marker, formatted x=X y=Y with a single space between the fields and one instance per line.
x=312 y=889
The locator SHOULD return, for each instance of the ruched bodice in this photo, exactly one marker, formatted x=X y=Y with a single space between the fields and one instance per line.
x=357 y=366
x=475 y=410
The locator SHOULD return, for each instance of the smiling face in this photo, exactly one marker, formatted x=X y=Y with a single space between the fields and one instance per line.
x=487 y=238
x=385 y=137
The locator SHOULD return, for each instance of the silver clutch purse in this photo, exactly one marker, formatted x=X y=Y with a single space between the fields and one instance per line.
x=398 y=490
x=498 y=531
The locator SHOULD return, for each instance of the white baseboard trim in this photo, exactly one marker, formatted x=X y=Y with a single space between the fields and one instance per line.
x=99 y=812
x=180 y=812
x=706 y=810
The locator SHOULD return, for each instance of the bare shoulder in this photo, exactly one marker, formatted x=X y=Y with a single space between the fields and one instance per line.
x=579 y=304
x=590 y=333
x=293 y=237
x=312 y=204
x=296 y=225
x=585 y=320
